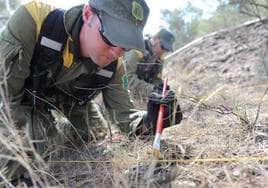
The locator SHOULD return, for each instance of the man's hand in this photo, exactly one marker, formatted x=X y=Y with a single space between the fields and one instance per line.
x=171 y=109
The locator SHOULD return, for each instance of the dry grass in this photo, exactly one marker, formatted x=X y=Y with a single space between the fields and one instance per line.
x=15 y=145
x=222 y=141
x=205 y=136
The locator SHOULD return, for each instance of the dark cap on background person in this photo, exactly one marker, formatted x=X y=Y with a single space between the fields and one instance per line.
x=123 y=21
x=166 y=39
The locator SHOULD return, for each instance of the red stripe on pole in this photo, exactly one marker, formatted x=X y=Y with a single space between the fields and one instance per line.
x=159 y=125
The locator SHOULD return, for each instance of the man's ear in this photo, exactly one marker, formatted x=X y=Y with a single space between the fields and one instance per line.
x=87 y=12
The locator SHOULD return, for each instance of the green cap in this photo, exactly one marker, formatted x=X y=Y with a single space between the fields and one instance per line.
x=166 y=39
x=123 y=21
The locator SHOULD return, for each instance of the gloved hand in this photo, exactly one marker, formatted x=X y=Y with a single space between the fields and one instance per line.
x=170 y=107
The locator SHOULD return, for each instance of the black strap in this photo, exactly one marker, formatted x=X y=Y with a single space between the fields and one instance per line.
x=96 y=83
x=52 y=30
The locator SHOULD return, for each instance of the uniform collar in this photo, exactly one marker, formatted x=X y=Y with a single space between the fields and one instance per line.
x=73 y=23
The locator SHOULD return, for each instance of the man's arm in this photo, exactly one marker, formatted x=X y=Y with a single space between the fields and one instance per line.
x=117 y=101
x=137 y=86
x=17 y=43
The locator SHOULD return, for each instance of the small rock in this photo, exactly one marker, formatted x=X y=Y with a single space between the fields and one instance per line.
x=183 y=184
x=236 y=173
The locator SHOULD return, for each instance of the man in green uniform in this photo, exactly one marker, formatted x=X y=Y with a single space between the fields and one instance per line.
x=48 y=85
x=144 y=70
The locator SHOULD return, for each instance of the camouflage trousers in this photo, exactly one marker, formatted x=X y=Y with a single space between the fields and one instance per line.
x=24 y=147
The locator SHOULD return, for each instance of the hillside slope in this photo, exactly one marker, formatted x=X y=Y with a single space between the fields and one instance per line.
x=235 y=56
x=222 y=81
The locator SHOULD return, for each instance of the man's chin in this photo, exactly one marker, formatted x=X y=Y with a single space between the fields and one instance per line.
x=103 y=63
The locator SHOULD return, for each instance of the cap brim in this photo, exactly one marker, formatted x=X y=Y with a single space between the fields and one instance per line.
x=121 y=33
x=167 y=46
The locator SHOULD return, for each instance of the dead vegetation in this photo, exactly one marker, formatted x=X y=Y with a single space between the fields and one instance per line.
x=222 y=141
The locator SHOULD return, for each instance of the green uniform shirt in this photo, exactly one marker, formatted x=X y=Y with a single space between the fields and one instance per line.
x=143 y=71
x=17 y=44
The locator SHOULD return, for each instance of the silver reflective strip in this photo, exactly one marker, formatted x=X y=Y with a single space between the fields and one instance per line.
x=105 y=73
x=51 y=44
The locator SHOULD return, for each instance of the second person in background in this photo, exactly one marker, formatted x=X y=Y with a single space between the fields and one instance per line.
x=144 y=70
